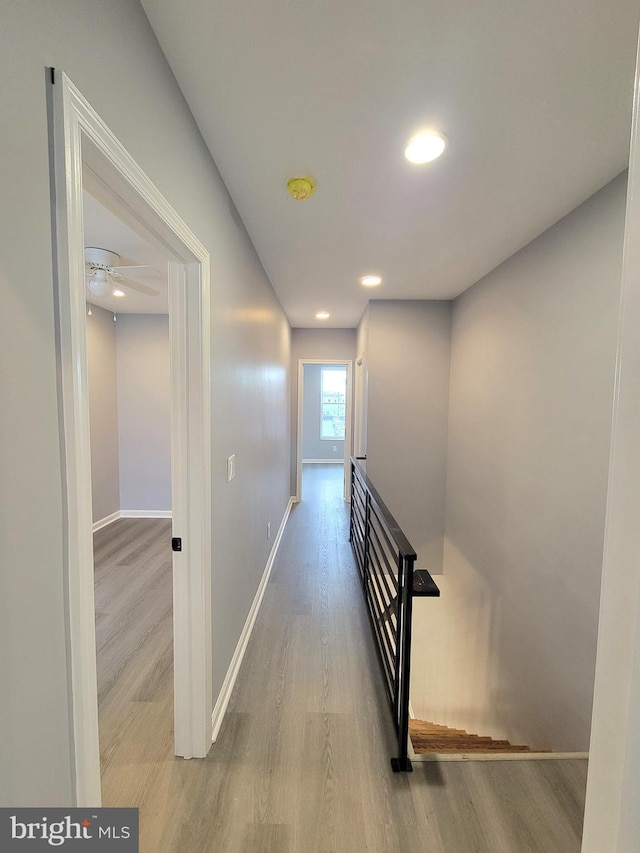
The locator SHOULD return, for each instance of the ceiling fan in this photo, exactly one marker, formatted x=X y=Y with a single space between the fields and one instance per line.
x=104 y=276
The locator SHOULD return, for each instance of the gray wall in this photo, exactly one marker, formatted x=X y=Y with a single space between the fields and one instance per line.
x=314 y=343
x=314 y=447
x=407 y=407
x=144 y=408
x=103 y=412
x=250 y=359
x=529 y=428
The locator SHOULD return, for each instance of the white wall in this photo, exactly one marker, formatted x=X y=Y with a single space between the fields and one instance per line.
x=103 y=412
x=129 y=396
x=529 y=426
x=109 y=51
x=315 y=343
x=407 y=401
x=144 y=411
x=313 y=446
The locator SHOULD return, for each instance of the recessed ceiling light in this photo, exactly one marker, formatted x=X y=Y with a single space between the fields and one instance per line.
x=370 y=280
x=322 y=315
x=425 y=146
x=117 y=293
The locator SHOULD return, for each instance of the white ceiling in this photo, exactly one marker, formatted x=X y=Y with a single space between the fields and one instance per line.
x=103 y=230
x=535 y=98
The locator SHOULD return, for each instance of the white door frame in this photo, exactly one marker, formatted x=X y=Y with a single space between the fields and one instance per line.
x=358 y=408
x=81 y=137
x=348 y=422
x=612 y=818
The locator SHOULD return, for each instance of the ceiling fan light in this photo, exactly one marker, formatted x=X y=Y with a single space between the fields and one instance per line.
x=425 y=147
x=117 y=292
x=100 y=288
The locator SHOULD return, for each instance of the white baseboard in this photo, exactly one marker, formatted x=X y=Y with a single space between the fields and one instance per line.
x=130 y=513
x=103 y=522
x=145 y=513
x=234 y=667
x=323 y=461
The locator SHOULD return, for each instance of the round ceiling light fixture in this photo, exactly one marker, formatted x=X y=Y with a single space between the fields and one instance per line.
x=371 y=280
x=301 y=189
x=322 y=315
x=117 y=293
x=425 y=147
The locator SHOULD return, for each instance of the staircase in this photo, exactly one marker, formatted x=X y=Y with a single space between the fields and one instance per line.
x=430 y=738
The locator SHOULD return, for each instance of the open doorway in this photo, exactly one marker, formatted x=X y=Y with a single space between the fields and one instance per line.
x=324 y=420
x=128 y=361
x=88 y=156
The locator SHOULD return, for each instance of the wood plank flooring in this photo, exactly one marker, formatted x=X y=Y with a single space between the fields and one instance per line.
x=301 y=764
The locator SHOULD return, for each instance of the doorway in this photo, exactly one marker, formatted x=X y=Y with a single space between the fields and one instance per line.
x=128 y=362
x=86 y=155
x=324 y=418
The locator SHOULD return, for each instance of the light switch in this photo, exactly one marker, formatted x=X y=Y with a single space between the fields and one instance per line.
x=231 y=467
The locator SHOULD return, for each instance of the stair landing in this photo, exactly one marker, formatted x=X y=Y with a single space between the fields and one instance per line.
x=430 y=738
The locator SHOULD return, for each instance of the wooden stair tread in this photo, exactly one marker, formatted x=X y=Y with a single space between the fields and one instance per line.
x=434 y=738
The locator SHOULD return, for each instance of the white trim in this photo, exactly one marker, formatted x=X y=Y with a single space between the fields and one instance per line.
x=498 y=756
x=358 y=407
x=146 y=513
x=323 y=461
x=85 y=148
x=613 y=780
x=106 y=521
x=130 y=513
x=234 y=667
x=349 y=426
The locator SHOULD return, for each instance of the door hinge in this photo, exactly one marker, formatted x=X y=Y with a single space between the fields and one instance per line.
x=176 y=544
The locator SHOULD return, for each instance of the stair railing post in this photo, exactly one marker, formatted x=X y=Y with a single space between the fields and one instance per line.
x=403 y=662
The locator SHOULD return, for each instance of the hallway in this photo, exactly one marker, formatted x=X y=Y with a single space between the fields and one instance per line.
x=302 y=760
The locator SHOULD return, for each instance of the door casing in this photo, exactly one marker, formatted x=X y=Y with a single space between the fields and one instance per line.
x=84 y=149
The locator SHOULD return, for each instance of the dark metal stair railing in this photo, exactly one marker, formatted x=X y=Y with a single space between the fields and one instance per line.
x=390 y=582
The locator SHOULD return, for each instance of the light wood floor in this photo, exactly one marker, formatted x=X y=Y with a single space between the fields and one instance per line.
x=302 y=760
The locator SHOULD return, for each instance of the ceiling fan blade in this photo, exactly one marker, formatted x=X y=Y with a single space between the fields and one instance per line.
x=136 y=285
x=142 y=271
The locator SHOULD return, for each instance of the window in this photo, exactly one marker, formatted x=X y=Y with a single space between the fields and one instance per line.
x=333 y=388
